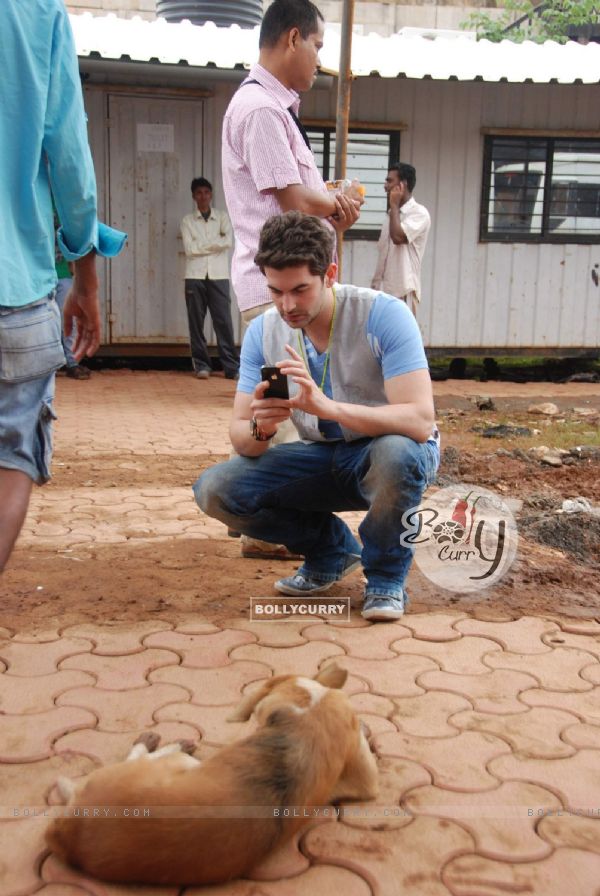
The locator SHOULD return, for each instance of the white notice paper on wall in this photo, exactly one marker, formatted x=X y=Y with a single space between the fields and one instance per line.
x=155 y=137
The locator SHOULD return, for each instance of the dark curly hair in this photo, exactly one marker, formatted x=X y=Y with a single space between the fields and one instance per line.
x=294 y=239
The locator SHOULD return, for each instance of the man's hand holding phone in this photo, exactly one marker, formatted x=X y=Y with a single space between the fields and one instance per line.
x=270 y=405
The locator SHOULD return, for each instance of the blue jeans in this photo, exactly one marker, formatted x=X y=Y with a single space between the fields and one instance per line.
x=289 y=495
x=30 y=352
x=62 y=288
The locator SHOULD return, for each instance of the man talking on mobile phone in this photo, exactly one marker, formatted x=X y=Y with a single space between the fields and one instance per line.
x=361 y=401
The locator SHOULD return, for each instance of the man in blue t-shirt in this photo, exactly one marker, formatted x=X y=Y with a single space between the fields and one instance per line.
x=360 y=397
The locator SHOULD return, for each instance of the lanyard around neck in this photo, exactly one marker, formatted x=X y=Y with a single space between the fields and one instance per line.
x=329 y=341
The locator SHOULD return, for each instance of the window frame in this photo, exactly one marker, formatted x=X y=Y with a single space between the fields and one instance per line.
x=546 y=236
x=328 y=128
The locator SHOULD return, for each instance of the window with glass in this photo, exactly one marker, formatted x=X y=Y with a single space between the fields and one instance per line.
x=369 y=155
x=541 y=189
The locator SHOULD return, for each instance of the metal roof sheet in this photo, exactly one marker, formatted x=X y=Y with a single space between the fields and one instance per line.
x=439 y=57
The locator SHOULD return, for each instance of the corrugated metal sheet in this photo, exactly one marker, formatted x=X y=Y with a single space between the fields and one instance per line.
x=401 y=55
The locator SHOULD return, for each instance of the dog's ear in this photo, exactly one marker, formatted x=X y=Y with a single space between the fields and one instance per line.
x=243 y=712
x=332 y=677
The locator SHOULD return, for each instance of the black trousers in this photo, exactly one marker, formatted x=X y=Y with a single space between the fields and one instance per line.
x=211 y=295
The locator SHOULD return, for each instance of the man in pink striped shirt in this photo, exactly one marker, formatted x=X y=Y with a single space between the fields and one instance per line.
x=268 y=166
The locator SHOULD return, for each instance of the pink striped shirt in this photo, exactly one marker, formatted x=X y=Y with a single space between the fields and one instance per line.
x=263 y=151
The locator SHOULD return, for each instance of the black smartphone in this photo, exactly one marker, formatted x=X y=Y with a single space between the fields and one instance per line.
x=278 y=384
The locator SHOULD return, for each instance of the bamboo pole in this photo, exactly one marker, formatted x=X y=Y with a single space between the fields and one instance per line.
x=343 y=104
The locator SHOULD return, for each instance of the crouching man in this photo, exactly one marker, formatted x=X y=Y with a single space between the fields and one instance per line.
x=361 y=400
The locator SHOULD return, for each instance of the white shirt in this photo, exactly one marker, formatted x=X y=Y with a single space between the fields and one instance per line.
x=206 y=244
x=398 y=270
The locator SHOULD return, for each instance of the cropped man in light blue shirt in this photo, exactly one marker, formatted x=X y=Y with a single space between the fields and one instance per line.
x=44 y=153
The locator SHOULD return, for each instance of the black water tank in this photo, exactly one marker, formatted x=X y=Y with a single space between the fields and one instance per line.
x=246 y=13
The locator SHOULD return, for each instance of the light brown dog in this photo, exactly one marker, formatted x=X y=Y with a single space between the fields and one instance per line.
x=309 y=750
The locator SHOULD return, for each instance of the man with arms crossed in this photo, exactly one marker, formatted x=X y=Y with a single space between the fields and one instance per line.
x=361 y=401
x=403 y=238
x=44 y=152
x=206 y=236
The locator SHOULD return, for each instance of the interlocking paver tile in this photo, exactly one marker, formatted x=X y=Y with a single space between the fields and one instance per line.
x=201 y=651
x=28 y=784
x=434 y=626
x=463 y=657
x=117 y=639
x=321 y=878
x=37 y=693
x=496 y=819
x=370 y=643
x=213 y=687
x=196 y=628
x=55 y=872
x=581 y=626
x=210 y=721
x=572 y=831
x=21 y=849
x=393 y=678
x=285 y=862
x=591 y=673
x=400 y=861
x=40 y=659
x=458 y=763
x=494 y=692
x=274 y=634
x=576 y=778
x=106 y=747
x=586 y=705
x=556 y=671
x=566 y=870
x=397 y=777
x=588 y=643
x=117 y=673
x=28 y=743
x=428 y=715
x=535 y=734
x=35 y=637
x=373 y=704
x=522 y=635
x=131 y=710
x=306 y=659
x=583 y=736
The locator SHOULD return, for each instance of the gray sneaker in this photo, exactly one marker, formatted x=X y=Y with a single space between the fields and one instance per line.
x=300 y=584
x=383 y=607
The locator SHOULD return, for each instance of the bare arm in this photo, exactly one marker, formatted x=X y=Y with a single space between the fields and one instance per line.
x=342 y=211
x=410 y=411
x=82 y=304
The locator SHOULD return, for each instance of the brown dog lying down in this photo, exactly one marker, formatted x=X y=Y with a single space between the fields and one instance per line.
x=309 y=750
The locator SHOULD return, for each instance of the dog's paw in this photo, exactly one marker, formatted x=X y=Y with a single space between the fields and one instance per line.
x=188 y=746
x=150 y=739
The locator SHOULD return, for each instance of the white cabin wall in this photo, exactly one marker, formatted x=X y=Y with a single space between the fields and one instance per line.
x=475 y=295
